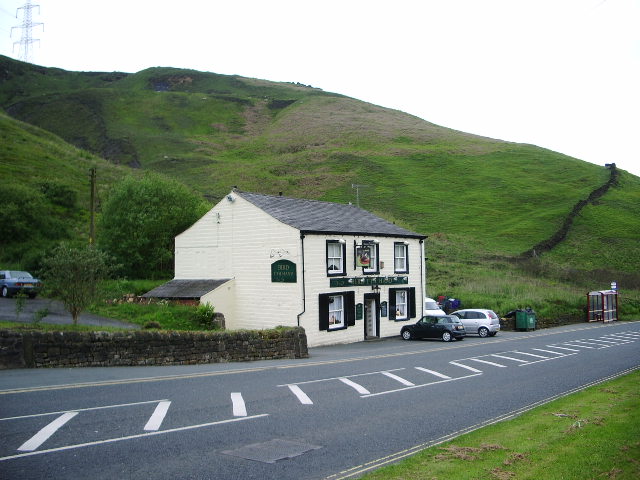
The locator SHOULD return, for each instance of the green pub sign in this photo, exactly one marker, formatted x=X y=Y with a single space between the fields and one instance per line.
x=283 y=271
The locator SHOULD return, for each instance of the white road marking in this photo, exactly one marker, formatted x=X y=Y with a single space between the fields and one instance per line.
x=82 y=409
x=419 y=386
x=398 y=379
x=465 y=366
x=239 y=408
x=563 y=348
x=304 y=399
x=158 y=416
x=130 y=437
x=43 y=435
x=608 y=342
x=509 y=358
x=488 y=362
x=573 y=344
x=437 y=374
x=359 y=388
x=551 y=351
x=530 y=354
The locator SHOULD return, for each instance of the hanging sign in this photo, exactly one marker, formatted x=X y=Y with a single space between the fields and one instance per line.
x=283 y=271
x=363 y=256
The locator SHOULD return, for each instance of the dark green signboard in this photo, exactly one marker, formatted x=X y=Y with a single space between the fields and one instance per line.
x=359 y=313
x=365 y=281
x=283 y=271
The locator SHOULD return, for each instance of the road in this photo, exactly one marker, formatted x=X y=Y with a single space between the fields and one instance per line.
x=336 y=415
x=56 y=313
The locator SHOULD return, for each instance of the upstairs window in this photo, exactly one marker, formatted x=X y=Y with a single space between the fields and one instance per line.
x=373 y=257
x=400 y=257
x=335 y=258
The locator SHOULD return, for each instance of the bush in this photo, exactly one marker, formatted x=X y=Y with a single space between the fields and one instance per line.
x=204 y=315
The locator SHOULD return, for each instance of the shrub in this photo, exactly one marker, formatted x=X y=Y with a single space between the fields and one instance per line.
x=204 y=315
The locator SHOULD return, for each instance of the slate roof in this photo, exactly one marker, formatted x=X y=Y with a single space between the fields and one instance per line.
x=185 y=289
x=313 y=216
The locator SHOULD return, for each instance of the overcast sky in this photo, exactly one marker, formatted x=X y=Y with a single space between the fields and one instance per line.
x=560 y=74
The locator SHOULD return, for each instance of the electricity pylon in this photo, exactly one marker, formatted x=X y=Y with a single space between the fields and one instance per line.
x=26 y=39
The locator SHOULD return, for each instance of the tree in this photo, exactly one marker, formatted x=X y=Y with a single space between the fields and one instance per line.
x=140 y=219
x=73 y=275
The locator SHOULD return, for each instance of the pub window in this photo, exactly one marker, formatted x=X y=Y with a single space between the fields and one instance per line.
x=335 y=257
x=337 y=310
x=402 y=303
x=373 y=257
x=400 y=257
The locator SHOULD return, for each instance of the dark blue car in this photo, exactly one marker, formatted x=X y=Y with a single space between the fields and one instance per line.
x=14 y=281
x=445 y=327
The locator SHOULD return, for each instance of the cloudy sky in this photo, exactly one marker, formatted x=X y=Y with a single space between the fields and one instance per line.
x=561 y=74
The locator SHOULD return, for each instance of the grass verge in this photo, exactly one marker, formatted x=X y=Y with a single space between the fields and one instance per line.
x=592 y=434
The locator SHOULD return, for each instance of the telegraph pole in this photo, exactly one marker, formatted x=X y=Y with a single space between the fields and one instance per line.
x=357 y=189
x=26 y=39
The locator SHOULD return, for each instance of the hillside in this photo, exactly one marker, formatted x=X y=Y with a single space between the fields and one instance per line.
x=480 y=200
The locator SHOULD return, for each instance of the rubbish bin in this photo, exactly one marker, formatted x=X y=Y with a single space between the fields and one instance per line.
x=525 y=320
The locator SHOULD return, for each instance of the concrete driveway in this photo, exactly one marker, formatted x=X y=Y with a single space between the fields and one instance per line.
x=57 y=314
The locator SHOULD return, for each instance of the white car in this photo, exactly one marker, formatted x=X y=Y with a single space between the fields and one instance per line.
x=431 y=308
x=485 y=323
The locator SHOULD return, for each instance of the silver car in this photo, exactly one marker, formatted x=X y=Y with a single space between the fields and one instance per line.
x=483 y=322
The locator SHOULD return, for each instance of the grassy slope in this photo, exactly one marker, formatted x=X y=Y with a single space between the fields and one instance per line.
x=481 y=201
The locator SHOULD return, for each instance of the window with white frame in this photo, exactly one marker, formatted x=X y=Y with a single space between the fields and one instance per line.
x=401 y=304
x=336 y=312
x=400 y=257
x=335 y=258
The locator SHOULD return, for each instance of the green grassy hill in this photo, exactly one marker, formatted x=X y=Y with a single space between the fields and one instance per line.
x=483 y=202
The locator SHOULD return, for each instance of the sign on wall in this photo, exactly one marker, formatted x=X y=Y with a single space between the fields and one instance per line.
x=283 y=271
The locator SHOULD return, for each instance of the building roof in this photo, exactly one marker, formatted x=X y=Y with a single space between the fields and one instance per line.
x=313 y=216
x=185 y=289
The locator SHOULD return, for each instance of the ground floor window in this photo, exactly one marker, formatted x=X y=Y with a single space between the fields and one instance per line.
x=402 y=303
x=336 y=310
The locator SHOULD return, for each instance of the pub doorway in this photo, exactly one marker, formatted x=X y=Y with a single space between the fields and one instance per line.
x=371 y=315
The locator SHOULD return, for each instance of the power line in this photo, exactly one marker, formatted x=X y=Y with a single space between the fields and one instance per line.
x=26 y=40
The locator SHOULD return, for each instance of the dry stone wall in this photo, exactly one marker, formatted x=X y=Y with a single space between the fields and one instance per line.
x=36 y=349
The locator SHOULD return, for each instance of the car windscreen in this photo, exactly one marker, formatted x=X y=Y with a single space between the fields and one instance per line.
x=16 y=274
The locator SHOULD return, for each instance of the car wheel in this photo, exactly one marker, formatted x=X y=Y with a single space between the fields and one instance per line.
x=446 y=336
x=406 y=335
x=483 y=332
x=5 y=292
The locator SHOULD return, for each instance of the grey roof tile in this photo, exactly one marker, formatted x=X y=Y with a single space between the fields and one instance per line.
x=181 y=288
x=313 y=216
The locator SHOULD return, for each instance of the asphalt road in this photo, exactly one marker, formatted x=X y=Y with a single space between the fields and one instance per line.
x=345 y=410
x=56 y=313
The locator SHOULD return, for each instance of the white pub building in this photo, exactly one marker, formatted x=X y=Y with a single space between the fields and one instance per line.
x=338 y=271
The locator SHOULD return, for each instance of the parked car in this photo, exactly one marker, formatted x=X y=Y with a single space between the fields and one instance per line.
x=446 y=327
x=485 y=323
x=432 y=308
x=13 y=281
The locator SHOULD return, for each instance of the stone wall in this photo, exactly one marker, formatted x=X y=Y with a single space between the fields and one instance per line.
x=35 y=349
